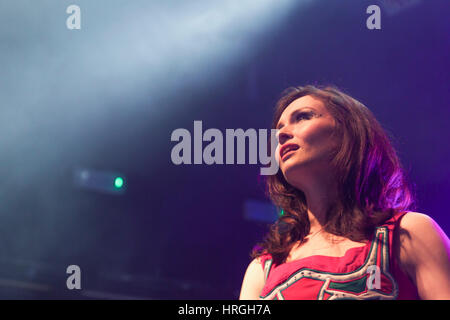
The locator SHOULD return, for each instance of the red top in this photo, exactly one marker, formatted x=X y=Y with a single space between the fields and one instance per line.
x=368 y=272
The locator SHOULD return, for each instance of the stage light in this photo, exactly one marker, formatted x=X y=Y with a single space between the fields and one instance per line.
x=118 y=182
x=100 y=181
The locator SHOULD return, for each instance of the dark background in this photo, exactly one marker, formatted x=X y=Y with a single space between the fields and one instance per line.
x=108 y=96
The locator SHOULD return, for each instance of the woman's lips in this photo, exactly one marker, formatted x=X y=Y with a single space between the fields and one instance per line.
x=288 y=150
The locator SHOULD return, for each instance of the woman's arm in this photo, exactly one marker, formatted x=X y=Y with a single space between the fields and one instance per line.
x=424 y=253
x=253 y=281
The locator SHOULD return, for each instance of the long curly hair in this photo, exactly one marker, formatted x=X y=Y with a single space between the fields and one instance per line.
x=372 y=184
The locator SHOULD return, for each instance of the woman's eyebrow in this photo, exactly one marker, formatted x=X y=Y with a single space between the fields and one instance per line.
x=292 y=116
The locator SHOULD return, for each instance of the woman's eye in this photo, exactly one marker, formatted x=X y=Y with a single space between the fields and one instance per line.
x=303 y=115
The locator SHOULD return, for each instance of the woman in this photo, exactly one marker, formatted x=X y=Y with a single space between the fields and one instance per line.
x=346 y=231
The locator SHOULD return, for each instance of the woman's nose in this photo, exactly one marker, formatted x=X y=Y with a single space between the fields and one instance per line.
x=283 y=136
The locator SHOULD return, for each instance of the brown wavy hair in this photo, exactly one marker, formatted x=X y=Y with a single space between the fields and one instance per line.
x=372 y=184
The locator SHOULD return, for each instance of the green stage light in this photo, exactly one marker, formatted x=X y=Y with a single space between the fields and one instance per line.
x=118 y=182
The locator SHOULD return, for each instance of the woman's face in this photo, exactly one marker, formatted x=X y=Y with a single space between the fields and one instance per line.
x=305 y=139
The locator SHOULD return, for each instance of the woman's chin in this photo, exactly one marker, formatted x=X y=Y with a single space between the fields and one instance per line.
x=290 y=167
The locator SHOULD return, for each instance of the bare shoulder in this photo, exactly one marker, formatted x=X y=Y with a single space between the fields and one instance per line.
x=419 y=229
x=253 y=281
x=415 y=226
x=423 y=251
x=255 y=268
x=416 y=221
